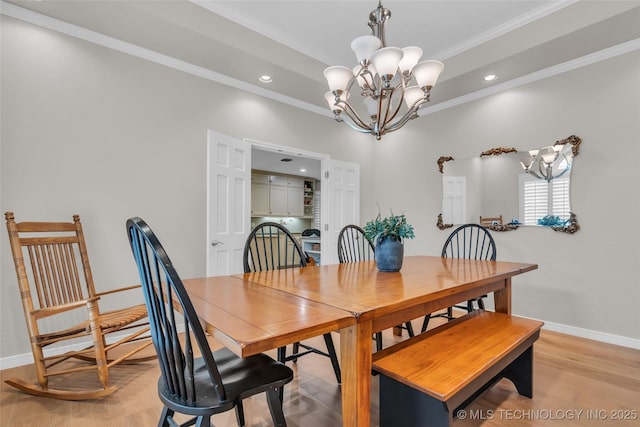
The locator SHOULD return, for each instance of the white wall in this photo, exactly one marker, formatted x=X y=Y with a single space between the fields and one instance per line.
x=92 y=131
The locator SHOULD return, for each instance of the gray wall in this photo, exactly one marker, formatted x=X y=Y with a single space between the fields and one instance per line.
x=587 y=280
x=92 y=131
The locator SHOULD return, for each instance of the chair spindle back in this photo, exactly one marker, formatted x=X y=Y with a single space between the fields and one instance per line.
x=163 y=289
x=270 y=246
x=51 y=262
x=471 y=241
x=353 y=245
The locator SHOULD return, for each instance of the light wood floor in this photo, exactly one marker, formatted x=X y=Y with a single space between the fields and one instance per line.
x=578 y=382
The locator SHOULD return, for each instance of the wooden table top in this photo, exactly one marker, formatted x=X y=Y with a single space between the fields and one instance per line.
x=255 y=312
x=363 y=290
x=250 y=318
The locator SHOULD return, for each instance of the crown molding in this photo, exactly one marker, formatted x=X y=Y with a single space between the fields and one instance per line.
x=555 y=70
x=505 y=28
x=85 y=34
x=54 y=24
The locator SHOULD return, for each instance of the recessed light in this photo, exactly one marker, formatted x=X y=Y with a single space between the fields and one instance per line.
x=265 y=78
x=490 y=77
x=303 y=170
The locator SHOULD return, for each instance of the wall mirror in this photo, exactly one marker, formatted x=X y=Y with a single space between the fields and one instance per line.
x=504 y=188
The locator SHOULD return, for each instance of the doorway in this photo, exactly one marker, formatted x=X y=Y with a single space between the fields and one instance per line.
x=301 y=168
x=229 y=165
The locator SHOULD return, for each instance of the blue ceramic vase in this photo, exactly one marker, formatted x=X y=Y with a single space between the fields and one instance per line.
x=389 y=254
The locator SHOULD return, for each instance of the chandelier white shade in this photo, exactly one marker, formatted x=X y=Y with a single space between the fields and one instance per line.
x=364 y=46
x=392 y=82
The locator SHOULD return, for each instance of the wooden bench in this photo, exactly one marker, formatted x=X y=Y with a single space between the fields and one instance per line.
x=427 y=379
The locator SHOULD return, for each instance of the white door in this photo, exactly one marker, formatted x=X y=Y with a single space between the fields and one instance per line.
x=340 y=204
x=454 y=200
x=228 y=202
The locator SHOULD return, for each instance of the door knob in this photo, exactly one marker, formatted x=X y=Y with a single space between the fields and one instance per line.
x=217 y=242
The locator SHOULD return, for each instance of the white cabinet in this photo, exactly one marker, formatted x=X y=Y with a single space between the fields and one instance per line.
x=278 y=180
x=277 y=195
x=258 y=178
x=278 y=200
x=295 y=182
x=295 y=201
x=259 y=195
x=259 y=199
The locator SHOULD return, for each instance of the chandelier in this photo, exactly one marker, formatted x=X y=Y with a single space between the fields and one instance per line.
x=385 y=76
x=547 y=163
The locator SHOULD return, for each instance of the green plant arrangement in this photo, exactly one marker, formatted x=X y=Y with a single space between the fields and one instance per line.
x=386 y=234
x=394 y=226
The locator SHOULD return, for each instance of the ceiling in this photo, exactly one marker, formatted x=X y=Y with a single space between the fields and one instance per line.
x=289 y=163
x=234 y=42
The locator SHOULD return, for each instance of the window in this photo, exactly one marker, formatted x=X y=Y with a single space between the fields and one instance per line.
x=539 y=198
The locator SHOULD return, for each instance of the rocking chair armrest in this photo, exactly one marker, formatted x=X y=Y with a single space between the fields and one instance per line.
x=50 y=311
x=113 y=291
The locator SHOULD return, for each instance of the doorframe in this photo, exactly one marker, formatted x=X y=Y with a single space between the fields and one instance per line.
x=324 y=180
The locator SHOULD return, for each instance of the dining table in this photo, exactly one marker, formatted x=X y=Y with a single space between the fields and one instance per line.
x=255 y=312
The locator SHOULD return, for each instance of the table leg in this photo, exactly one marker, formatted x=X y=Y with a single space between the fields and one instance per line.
x=502 y=298
x=355 y=357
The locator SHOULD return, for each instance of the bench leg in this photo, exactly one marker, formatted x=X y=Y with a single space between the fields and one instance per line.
x=520 y=372
x=401 y=405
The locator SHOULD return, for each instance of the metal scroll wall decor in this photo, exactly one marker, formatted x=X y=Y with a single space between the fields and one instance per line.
x=544 y=164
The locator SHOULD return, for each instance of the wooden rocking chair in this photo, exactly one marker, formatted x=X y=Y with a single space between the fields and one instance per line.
x=55 y=279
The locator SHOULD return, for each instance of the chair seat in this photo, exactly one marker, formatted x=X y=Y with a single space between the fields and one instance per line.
x=242 y=377
x=114 y=320
x=109 y=322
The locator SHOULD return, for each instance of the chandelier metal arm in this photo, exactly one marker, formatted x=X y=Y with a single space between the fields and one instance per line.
x=370 y=83
x=532 y=172
x=380 y=122
x=349 y=111
x=409 y=115
x=353 y=115
x=388 y=119
x=354 y=126
x=546 y=174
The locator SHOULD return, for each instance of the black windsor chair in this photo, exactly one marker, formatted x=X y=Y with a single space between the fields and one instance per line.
x=196 y=386
x=470 y=241
x=271 y=246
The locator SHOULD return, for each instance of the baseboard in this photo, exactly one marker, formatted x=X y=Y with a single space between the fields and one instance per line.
x=27 y=358
x=593 y=335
